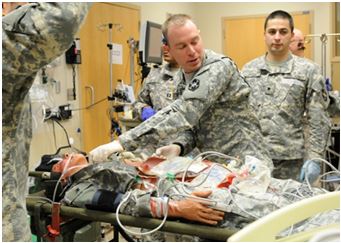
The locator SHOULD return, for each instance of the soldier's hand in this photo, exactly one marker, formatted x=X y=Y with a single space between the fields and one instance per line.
x=195 y=210
x=102 y=152
x=147 y=112
x=169 y=151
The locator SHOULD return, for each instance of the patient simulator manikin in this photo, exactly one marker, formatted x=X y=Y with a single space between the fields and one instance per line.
x=226 y=195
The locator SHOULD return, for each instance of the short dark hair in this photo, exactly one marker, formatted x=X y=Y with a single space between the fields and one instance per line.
x=280 y=14
x=177 y=19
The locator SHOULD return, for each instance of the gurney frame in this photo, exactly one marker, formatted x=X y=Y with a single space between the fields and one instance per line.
x=202 y=231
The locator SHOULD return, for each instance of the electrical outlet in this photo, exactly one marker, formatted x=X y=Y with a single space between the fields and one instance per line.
x=62 y=112
x=65 y=112
x=52 y=113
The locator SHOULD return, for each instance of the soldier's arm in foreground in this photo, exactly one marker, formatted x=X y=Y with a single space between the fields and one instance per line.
x=32 y=37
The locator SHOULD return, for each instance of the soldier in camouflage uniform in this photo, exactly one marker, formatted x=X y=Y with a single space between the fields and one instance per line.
x=284 y=87
x=159 y=88
x=212 y=112
x=32 y=37
x=146 y=201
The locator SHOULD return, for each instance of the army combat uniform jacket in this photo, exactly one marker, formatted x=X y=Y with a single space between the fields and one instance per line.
x=280 y=96
x=213 y=112
x=158 y=89
x=32 y=37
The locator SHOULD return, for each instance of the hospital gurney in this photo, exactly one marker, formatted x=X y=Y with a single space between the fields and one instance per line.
x=232 y=199
x=203 y=231
x=89 y=214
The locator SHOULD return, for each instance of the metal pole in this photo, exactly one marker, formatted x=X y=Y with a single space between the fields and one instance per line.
x=110 y=58
x=132 y=45
x=323 y=38
x=203 y=231
x=319 y=35
x=110 y=78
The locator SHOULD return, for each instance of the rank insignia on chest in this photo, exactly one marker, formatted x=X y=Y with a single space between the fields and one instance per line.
x=194 y=84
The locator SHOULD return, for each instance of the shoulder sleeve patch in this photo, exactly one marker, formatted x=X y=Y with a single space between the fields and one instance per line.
x=197 y=87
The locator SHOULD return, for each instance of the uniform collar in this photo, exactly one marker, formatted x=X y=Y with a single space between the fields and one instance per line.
x=209 y=58
x=283 y=67
x=167 y=70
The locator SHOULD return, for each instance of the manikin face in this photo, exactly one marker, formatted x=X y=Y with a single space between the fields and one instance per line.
x=278 y=37
x=185 y=45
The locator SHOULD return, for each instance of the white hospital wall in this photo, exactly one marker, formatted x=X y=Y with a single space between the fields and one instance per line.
x=157 y=12
x=43 y=139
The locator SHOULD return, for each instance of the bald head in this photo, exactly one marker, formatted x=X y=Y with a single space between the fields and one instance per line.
x=297 y=43
x=176 y=19
x=298 y=33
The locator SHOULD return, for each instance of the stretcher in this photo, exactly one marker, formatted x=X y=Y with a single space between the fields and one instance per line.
x=211 y=233
x=207 y=232
x=35 y=204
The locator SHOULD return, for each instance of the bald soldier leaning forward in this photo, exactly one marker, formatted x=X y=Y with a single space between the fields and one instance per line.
x=32 y=36
x=213 y=111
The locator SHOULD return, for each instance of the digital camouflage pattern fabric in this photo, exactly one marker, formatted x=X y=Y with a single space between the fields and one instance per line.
x=287 y=169
x=212 y=113
x=32 y=36
x=281 y=95
x=158 y=89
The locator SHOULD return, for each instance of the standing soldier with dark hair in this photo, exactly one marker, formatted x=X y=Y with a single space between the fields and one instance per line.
x=32 y=36
x=284 y=87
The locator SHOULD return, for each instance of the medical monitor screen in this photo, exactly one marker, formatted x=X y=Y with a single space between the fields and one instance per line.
x=150 y=46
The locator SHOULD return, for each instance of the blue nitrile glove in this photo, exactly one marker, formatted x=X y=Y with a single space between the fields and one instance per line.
x=147 y=112
x=311 y=170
